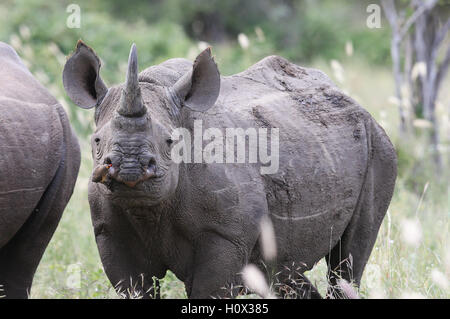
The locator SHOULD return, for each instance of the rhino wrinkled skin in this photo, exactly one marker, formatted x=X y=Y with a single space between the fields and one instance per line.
x=337 y=170
x=39 y=162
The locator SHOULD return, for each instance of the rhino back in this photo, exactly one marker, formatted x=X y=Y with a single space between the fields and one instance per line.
x=31 y=136
x=166 y=73
x=16 y=82
x=30 y=150
x=322 y=149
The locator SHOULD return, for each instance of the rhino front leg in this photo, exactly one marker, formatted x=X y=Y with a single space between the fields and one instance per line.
x=123 y=254
x=295 y=286
x=127 y=272
x=217 y=264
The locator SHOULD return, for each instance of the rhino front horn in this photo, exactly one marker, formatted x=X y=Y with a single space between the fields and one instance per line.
x=131 y=104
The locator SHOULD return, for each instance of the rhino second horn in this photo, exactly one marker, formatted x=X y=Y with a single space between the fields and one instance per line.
x=131 y=104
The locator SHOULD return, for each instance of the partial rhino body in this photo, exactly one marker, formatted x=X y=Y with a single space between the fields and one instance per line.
x=39 y=162
x=335 y=179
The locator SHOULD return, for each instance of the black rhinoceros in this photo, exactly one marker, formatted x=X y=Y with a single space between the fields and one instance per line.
x=327 y=195
x=39 y=162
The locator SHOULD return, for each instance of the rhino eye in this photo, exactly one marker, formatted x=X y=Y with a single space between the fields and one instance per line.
x=98 y=149
x=169 y=141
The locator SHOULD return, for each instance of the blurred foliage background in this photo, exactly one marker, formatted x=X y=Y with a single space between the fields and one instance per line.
x=298 y=30
x=328 y=34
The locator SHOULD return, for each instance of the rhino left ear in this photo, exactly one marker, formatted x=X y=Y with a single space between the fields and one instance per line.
x=199 y=88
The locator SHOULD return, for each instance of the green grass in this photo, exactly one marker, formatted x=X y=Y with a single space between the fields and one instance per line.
x=396 y=269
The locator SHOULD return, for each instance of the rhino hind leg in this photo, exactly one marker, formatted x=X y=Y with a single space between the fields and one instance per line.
x=348 y=258
x=20 y=257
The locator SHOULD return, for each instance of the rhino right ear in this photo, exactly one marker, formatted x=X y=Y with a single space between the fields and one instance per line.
x=81 y=78
x=199 y=88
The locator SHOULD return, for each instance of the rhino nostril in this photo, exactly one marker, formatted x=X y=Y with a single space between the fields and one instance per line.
x=151 y=168
x=107 y=160
x=152 y=161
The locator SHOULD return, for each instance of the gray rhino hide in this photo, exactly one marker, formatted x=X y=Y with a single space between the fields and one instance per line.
x=39 y=162
x=333 y=187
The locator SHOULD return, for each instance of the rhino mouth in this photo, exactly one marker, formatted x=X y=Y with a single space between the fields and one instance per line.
x=146 y=191
x=107 y=174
